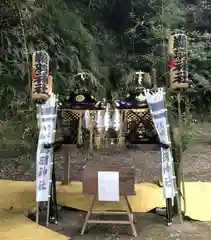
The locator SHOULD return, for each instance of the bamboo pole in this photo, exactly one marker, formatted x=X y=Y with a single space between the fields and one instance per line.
x=177 y=205
x=181 y=151
x=154 y=78
x=177 y=162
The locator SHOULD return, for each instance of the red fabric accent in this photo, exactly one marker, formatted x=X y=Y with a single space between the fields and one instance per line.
x=171 y=63
x=33 y=74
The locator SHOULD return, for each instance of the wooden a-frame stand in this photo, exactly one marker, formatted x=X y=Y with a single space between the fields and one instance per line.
x=126 y=184
x=128 y=212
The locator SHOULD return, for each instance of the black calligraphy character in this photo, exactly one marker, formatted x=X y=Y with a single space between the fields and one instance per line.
x=42 y=185
x=167 y=168
x=45 y=129
x=42 y=160
x=46 y=160
x=162 y=130
x=43 y=171
x=167 y=181
x=40 y=172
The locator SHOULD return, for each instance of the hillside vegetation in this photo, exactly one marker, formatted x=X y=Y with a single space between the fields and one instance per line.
x=106 y=39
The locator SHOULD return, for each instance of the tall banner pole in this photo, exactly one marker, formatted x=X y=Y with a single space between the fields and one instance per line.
x=52 y=130
x=156 y=103
x=46 y=107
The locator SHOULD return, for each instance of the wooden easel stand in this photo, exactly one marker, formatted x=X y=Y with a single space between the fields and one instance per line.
x=128 y=212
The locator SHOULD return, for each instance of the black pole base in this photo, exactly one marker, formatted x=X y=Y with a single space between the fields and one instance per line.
x=53 y=218
x=169 y=212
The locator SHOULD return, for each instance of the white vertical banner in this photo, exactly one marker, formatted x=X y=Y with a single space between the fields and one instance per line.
x=46 y=116
x=156 y=103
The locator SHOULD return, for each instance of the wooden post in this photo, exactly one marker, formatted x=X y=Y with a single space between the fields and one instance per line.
x=176 y=140
x=180 y=152
x=37 y=212
x=66 y=164
x=154 y=78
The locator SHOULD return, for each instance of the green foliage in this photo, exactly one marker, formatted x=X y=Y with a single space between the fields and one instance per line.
x=93 y=37
x=103 y=39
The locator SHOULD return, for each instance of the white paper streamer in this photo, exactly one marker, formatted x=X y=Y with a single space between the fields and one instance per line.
x=116 y=120
x=107 y=119
x=100 y=120
x=87 y=119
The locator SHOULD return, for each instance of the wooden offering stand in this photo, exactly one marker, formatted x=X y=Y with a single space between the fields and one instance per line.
x=126 y=187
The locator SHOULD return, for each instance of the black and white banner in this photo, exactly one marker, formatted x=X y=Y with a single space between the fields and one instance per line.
x=156 y=103
x=46 y=117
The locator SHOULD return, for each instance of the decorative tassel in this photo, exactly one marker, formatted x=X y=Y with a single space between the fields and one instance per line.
x=107 y=118
x=100 y=120
x=100 y=127
x=116 y=120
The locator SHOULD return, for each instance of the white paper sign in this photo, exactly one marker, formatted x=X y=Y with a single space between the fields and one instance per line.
x=108 y=186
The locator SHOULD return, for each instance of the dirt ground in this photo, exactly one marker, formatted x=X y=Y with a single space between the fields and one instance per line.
x=196 y=167
x=149 y=227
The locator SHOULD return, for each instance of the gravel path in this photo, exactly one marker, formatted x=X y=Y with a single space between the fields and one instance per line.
x=196 y=163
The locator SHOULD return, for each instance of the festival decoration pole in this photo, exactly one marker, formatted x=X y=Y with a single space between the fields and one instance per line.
x=52 y=187
x=180 y=176
x=46 y=104
x=178 y=70
x=40 y=74
x=177 y=202
x=156 y=103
